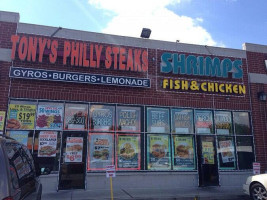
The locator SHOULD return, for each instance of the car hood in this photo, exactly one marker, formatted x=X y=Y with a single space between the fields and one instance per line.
x=261 y=178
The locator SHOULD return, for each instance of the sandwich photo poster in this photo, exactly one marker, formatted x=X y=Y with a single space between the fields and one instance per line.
x=101 y=151
x=49 y=117
x=227 y=151
x=47 y=144
x=128 y=119
x=74 y=149
x=184 y=157
x=158 y=152
x=207 y=153
x=128 y=152
x=75 y=117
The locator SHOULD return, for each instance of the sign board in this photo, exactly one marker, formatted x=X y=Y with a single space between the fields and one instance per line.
x=110 y=171
x=256 y=168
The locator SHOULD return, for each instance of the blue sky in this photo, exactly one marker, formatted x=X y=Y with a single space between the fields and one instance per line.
x=223 y=23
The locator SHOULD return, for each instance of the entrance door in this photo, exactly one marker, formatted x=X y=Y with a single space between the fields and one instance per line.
x=207 y=161
x=72 y=171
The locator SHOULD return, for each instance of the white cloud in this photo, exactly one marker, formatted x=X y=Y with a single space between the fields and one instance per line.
x=129 y=17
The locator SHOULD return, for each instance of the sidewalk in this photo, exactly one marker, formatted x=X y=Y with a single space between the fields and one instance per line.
x=206 y=193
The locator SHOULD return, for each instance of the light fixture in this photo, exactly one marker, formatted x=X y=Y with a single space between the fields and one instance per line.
x=262 y=96
x=58 y=29
x=266 y=64
x=145 y=33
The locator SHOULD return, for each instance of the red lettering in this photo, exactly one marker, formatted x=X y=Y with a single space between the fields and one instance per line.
x=92 y=62
x=14 y=40
x=42 y=44
x=81 y=55
x=115 y=51
x=137 y=62
x=32 y=49
x=145 y=61
x=98 y=54
x=74 y=53
x=130 y=61
x=23 y=48
x=85 y=61
x=66 y=52
x=53 y=55
x=108 y=60
x=122 y=59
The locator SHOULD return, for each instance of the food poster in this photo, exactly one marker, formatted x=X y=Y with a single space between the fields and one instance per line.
x=49 y=117
x=74 y=149
x=128 y=119
x=21 y=116
x=100 y=151
x=47 y=144
x=183 y=149
x=102 y=118
x=182 y=121
x=227 y=151
x=76 y=117
x=223 y=122
x=128 y=152
x=207 y=153
x=204 y=122
x=158 y=152
x=157 y=120
x=2 y=120
x=20 y=136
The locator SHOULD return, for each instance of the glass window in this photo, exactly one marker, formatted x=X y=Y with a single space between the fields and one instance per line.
x=101 y=151
x=245 y=152
x=47 y=149
x=158 y=120
x=158 y=152
x=183 y=153
x=49 y=116
x=23 y=137
x=182 y=121
x=75 y=117
x=226 y=152
x=203 y=122
x=128 y=155
x=242 y=123
x=223 y=122
x=21 y=115
x=102 y=118
x=128 y=119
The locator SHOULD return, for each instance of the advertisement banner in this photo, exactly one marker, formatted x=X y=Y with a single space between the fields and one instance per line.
x=49 y=117
x=204 y=121
x=223 y=122
x=128 y=152
x=128 y=119
x=183 y=153
x=100 y=151
x=158 y=157
x=76 y=117
x=21 y=116
x=74 y=149
x=208 y=153
x=227 y=151
x=157 y=120
x=182 y=121
x=102 y=118
x=47 y=144
x=20 y=136
x=2 y=120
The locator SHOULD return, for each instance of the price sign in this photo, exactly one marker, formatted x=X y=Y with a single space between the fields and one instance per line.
x=256 y=168
x=110 y=171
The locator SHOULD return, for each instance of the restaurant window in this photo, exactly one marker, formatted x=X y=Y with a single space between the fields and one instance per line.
x=158 y=120
x=183 y=153
x=223 y=123
x=102 y=118
x=226 y=152
x=182 y=121
x=203 y=122
x=23 y=137
x=245 y=152
x=128 y=119
x=242 y=123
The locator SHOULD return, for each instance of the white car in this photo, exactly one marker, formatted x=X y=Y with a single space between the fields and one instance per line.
x=256 y=187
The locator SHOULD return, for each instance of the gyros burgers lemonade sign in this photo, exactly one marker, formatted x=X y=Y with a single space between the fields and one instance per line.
x=74 y=149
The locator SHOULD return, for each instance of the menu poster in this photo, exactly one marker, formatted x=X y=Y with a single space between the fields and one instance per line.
x=102 y=118
x=21 y=116
x=182 y=121
x=227 y=151
x=20 y=136
x=128 y=154
x=2 y=120
x=183 y=153
x=158 y=120
x=158 y=157
x=76 y=117
x=47 y=144
x=204 y=121
x=207 y=153
x=128 y=119
x=101 y=151
x=74 y=149
x=49 y=117
x=223 y=122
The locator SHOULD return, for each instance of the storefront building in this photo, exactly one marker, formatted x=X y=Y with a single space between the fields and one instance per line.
x=165 y=114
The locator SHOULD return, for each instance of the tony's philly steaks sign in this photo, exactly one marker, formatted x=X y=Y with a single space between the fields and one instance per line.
x=80 y=54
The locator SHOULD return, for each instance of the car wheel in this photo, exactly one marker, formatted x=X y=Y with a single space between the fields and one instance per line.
x=258 y=192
